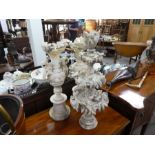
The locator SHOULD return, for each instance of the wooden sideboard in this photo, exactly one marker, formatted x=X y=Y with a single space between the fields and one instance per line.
x=121 y=97
x=110 y=122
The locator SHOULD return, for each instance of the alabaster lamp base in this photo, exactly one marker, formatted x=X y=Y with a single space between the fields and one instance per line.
x=60 y=111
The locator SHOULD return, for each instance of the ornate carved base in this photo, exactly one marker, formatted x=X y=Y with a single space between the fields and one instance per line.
x=59 y=116
x=60 y=111
x=88 y=122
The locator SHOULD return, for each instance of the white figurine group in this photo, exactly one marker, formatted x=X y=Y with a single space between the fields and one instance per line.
x=86 y=97
x=47 y=47
x=86 y=41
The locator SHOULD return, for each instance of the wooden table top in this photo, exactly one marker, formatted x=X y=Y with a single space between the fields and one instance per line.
x=132 y=95
x=109 y=122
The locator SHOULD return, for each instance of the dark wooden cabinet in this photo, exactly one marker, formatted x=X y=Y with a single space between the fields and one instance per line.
x=34 y=103
x=121 y=98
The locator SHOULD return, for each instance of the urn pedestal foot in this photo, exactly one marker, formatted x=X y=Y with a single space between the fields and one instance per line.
x=88 y=122
x=60 y=111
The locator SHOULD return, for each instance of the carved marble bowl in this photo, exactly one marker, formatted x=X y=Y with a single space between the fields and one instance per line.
x=39 y=76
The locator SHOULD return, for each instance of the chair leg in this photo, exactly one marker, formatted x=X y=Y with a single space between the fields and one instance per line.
x=115 y=58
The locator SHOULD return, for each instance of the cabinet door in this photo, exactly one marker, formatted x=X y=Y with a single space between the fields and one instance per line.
x=134 y=30
x=152 y=34
x=147 y=30
x=141 y=30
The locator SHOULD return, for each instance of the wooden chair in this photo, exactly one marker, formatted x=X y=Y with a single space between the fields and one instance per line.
x=129 y=49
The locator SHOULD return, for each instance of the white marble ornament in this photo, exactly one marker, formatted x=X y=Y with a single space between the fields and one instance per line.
x=87 y=98
x=56 y=72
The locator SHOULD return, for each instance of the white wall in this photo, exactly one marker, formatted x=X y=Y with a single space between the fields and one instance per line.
x=4 y=25
x=35 y=33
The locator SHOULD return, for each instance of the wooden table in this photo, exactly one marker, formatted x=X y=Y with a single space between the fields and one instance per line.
x=109 y=122
x=122 y=96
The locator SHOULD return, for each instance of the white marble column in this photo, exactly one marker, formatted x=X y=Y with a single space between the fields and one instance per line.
x=4 y=25
x=35 y=33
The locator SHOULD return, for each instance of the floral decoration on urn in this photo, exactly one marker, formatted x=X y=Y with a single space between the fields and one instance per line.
x=87 y=98
x=86 y=42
